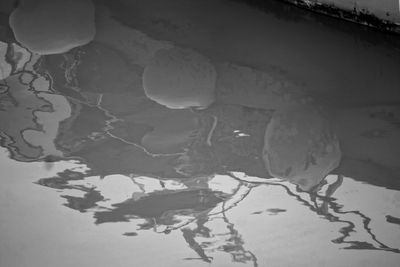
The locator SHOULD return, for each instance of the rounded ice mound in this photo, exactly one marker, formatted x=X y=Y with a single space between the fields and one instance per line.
x=53 y=26
x=180 y=78
x=300 y=146
x=5 y=67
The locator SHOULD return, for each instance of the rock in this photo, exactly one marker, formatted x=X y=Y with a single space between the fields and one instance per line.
x=53 y=26
x=300 y=147
x=180 y=78
x=5 y=67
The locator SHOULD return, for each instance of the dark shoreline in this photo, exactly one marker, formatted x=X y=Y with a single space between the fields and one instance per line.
x=362 y=17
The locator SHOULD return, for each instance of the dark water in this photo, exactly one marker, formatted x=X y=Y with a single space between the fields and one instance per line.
x=196 y=133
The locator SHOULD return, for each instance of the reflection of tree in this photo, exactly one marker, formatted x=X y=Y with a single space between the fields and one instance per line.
x=117 y=116
x=190 y=211
x=328 y=201
x=236 y=245
x=233 y=242
x=106 y=129
x=323 y=209
x=347 y=230
x=190 y=235
x=84 y=203
x=30 y=112
x=165 y=211
x=161 y=207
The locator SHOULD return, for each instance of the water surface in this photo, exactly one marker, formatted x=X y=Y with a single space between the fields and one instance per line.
x=198 y=133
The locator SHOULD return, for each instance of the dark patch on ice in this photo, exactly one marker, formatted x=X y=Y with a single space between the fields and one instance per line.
x=130 y=234
x=273 y=211
x=392 y=219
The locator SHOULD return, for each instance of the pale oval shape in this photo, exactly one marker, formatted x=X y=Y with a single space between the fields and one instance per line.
x=180 y=78
x=300 y=146
x=5 y=67
x=53 y=26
